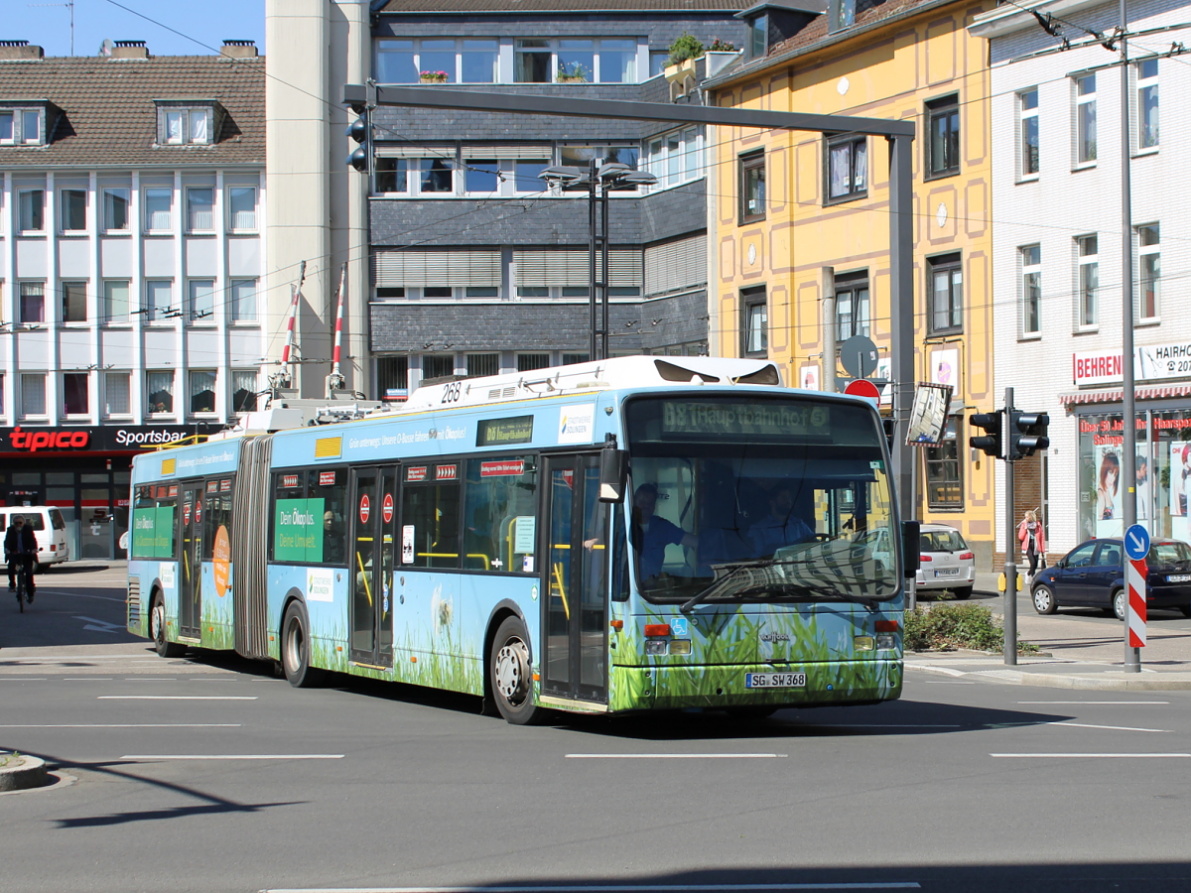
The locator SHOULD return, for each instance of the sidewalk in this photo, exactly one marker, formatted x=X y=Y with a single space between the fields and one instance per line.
x=1075 y=651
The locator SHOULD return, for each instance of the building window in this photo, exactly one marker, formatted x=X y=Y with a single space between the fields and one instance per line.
x=158 y=205
x=200 y=209
x=117 y=394
x=193 y=126
x=1027 y=111
x=1087 y=314
x=437 y=366
x=115 y=210
x=33 y=394
x=159 y=300
x=76 y=398
x=31 y=210
x=32 y=298
x=1031 y=289
x=1149 y=256
x=853 y=311
x=74 y=301
x=540 y=60
x=436 y=175
x=244 y=391
x=569 y=359
x=841 y=14
x=1147 y=103
x=944 y=471
x=483 y=364
x=74 y=210
x=527 y=362
x=676 y=157
x=392 y=378
x=20 y=127
x=943 y=146
x=754 y=322
x=159 y=387
x=758 y=39
x=115 y=301
x=469 y=61
x=481 y=176
x=847 y=168
x=946 y=294
x=241 y=209
x=202 y=297
x=1085 y=119
x=752 y=187
x=526 y=174
x=581 y=156
x=242 y=300
x=202 y=390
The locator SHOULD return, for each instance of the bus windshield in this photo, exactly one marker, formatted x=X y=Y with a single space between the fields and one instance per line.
x=759 y=499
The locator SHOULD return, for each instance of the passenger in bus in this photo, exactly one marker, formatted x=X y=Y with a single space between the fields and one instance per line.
x=781 y=527
x=332 y=539
x=652 y=534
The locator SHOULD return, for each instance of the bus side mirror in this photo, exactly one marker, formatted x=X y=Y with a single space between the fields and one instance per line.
x=911 y=554
x=614 y=471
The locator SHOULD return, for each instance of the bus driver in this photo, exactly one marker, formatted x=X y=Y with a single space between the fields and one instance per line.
x=652 y=534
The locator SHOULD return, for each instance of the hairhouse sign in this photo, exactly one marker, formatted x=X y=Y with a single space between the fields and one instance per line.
x=29 y=440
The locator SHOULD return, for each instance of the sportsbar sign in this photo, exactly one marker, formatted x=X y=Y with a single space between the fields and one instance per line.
x=101 y=439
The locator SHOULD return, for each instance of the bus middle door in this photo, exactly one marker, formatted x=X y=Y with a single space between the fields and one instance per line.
x=574 y=663
x=190 y=562
x=370 y=565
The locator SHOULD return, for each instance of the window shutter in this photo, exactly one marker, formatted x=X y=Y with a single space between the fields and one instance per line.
x=419 y=151
x=408 y=269
x=514 y=153
x=676 y=266
x=572 y=268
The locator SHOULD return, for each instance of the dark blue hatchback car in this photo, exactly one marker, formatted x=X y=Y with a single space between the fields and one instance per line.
x=1093 y=575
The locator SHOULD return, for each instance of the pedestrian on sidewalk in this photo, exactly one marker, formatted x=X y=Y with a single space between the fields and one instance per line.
x=1033 y=540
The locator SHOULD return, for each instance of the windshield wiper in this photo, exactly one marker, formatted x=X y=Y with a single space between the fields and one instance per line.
x=772 y=574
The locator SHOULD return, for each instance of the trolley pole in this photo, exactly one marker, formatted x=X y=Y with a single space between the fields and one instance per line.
x=1010 y=606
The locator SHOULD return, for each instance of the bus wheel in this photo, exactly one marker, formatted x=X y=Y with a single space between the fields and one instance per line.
x=163 y=646
x=295 y=648
x=512 y=681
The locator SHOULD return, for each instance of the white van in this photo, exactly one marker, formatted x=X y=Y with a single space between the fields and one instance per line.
x=49 y=527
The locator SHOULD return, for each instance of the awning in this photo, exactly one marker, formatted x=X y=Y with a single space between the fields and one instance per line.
x=1116 y=396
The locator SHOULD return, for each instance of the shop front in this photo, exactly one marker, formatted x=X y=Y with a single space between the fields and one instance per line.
x=84 y=471
x=1162 y=449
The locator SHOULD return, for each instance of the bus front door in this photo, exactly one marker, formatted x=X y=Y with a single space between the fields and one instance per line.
x=190 y=566
x=373 y=498
x=575 y=634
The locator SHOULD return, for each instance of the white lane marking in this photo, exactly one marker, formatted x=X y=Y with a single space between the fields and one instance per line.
x=623 y=888
x=1081 y=703
x=1084 y=725
x=122 y=725
x=1093 y=756
x=676 y=756
x=176 y=697
x=88 y=678
x=232 y=756
x=101 y=626
x=23 y=679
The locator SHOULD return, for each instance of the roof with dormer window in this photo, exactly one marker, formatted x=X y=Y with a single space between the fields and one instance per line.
x=538 y=7
x=103 y=111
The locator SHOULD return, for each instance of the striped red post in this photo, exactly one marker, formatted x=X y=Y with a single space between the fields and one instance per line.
x=1135 y=584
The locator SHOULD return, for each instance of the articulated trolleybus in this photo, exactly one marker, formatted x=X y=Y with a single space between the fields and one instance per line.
x=633 y=534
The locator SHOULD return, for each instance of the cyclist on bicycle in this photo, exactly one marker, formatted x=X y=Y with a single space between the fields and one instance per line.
x=20 y=548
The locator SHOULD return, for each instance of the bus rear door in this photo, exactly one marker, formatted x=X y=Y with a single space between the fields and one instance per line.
x=190 y=558
x=373 y=496
x=575 y=625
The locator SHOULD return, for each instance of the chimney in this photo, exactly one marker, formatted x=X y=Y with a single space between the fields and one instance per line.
x=19 y=50
x=239 y=49
x=130 y=49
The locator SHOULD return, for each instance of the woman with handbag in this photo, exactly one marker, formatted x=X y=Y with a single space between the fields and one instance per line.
x=1033 y=541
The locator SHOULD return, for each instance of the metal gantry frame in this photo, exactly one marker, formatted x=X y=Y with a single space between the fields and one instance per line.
x=899 y=134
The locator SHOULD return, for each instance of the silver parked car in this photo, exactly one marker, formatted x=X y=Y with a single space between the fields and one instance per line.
x=947 y=562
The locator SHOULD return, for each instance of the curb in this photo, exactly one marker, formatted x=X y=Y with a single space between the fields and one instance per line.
x=30 y=772
x=1103 y=681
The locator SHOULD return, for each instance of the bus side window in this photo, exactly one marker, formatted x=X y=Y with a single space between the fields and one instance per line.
x=433 y=511
x=327 y=493
x=500 y=514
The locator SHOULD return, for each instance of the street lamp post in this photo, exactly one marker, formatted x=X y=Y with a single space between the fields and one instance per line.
x=599 y=179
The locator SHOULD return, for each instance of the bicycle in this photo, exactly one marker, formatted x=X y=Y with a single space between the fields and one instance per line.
x=24 y=592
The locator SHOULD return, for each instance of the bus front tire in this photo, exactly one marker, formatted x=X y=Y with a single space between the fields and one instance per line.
x=511 y=675
x=295 y=648
x=163 y=646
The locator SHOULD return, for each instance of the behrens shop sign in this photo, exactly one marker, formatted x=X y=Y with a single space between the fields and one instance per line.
x=1151 y=362
x=34 y=440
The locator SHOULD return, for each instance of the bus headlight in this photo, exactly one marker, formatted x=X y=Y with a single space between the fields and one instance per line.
x=655 y=646
x=886 y=642
x=680 y=646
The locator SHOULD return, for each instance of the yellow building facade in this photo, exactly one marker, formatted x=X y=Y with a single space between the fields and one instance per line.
x=799 y=222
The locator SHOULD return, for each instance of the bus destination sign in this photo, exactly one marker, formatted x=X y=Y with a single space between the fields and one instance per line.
x=762 y=419
x=495 y=432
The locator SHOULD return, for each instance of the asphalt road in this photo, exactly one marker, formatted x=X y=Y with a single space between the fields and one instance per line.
x=209 y=774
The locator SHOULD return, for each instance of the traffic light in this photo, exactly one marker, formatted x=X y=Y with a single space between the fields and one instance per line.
x=1027 y=433
x=360 y=130
x=991 y=424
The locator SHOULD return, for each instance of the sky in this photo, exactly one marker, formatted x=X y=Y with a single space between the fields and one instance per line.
x=169 y=27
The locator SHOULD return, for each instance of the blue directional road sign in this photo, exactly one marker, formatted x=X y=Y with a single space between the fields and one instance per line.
x=1137 y=542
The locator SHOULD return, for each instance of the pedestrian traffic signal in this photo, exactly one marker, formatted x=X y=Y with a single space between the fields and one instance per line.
x=360 y=130
x=1027 y=433
x=990 y=441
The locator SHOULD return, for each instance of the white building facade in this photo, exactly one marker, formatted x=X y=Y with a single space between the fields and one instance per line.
x=1059 y=256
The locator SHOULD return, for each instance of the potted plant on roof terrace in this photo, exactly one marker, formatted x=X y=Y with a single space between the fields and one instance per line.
x=432 y=77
